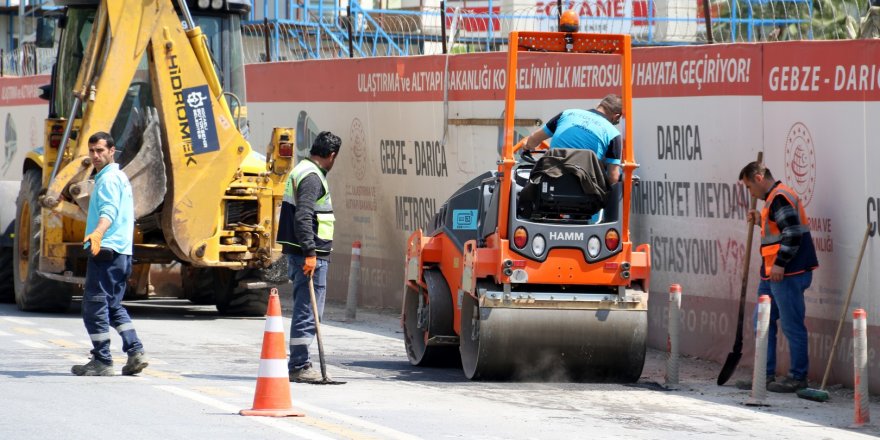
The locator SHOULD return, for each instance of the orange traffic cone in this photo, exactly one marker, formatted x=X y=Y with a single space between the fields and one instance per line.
x=272 y=397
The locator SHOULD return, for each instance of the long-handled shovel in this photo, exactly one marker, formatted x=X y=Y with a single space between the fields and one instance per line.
x=734 y=356
x=821 y=395
x=325 y=380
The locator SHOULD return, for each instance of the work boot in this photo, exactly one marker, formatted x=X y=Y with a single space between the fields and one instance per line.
x=743 y=384
x=787 y=385
x=93 y=368
x=305 y=375
x=135 y=364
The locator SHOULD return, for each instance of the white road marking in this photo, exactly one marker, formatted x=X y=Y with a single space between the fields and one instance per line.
x=355 y=332
x=343 y=373
x=56 y=332
x=418 y=385
x=76 y=358
x=216 y=391
x=32 y=344
x=385 y=431
x=155 y=361
x=66 y=344
x=278 y=424
x=160 y=374
x=18 y=320
x=25 y=331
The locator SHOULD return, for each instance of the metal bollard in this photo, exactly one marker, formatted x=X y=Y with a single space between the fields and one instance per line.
x=862 y=414
x=354 y=282
x=759 y=373
x=672 y=339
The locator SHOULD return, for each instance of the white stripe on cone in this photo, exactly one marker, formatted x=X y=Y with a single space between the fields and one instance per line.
x=275 y=324
x=273 y=368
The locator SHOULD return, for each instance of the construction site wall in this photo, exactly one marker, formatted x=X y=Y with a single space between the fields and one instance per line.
x=411 y=138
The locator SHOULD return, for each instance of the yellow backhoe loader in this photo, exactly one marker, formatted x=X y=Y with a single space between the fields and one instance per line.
x=166 y=79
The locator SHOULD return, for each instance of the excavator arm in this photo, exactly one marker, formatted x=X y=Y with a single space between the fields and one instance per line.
x=201 y=145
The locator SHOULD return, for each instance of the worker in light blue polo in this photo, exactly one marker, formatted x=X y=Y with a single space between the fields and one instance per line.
x=587 y=129
x=109 y=233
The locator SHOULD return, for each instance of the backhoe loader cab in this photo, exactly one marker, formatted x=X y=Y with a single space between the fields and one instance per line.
x=221 y=27
x=526 y=275
x=166 y=79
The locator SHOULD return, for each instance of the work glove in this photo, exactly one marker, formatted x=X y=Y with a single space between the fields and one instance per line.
x=310 y=265
x=94 y=241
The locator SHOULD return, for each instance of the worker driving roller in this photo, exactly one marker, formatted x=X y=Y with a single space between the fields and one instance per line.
x=582 y=163
x=586 y=130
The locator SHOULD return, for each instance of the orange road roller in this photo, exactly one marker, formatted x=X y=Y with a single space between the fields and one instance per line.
x=544 y=288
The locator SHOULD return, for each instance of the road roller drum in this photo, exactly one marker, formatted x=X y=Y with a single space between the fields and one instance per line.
x=585 y=339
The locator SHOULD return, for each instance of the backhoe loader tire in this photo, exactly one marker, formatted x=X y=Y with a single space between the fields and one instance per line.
x=197 y=284
x=231 y=299
x=7 y=290
x=33 y=292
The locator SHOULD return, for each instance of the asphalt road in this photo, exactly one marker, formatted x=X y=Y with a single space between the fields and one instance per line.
x=203 y=371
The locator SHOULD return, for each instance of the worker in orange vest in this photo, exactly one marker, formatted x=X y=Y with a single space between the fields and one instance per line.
x=787 y=263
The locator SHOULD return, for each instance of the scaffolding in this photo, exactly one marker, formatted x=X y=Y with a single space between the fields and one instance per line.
x=20 y=24
x=284 y=30
x=279 y=30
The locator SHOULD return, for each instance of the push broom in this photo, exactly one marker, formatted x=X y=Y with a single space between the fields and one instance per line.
x=821 y=395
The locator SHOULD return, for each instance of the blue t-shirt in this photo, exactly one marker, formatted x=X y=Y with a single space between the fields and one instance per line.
x=112 y=199
x=585 y=130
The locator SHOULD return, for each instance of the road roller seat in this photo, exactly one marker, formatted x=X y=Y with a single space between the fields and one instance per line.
x=567 y=183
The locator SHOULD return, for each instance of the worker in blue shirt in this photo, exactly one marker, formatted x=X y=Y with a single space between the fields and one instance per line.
x=589 y=130
x=109 y=233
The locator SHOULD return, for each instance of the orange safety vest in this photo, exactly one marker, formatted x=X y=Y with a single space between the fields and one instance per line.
x=771 y=236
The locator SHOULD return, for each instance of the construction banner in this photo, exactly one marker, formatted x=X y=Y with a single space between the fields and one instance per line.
x=697 y=121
